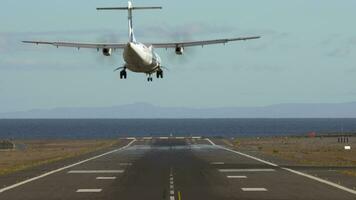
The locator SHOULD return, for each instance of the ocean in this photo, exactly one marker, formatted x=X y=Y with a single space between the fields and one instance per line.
x=113 y=128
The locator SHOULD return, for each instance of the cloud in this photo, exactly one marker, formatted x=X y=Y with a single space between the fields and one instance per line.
x=10 y=42
x=339 y=46
x=271 y=38
x=184 y=31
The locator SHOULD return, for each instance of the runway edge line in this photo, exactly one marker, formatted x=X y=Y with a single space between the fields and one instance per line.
x=63 y=168
x=346 y=189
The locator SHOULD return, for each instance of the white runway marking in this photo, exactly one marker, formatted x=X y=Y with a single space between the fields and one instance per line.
x=217 y=163
x=171 y=185
x=95 y=171
x=64 y=168
x=211 y=142
x=287 y=169
x=236 y=176
x=125 y=164
x=106 y=178
x=246 y=170
x=89 y=190
x=254 y=189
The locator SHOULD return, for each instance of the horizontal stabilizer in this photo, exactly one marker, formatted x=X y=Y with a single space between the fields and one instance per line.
x=132 y=8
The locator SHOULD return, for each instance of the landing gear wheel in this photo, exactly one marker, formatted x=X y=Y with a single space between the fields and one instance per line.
x=159 y=74
x=149 y=79
x=123 y=74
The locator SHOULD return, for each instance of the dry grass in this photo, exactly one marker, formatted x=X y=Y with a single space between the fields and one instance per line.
x=301 y=150
x=42 y=152
x=349 y=172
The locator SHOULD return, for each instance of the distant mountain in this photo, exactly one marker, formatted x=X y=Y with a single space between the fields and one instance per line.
x=143 y=110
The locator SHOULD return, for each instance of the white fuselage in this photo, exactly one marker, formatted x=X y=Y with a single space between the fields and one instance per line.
x=140 y=58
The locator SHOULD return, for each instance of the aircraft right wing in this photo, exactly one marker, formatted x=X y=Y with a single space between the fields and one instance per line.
x=200 y=43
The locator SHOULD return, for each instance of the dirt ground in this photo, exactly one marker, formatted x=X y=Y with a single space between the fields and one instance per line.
x=32 y=153
x=305 y=151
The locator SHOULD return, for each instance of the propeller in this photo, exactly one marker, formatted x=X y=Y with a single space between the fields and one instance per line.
x=188 y=52
x=117 y=69
x=115 y=57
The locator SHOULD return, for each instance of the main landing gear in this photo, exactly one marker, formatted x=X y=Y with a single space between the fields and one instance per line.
x=159 y=73
x=123 y=74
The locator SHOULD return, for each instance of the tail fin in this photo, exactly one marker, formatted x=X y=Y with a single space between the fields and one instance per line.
x=130 y=8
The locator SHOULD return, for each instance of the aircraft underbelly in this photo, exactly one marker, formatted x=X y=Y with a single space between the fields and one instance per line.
x=136 y=63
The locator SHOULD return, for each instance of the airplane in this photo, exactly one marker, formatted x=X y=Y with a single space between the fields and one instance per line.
x=139 y=57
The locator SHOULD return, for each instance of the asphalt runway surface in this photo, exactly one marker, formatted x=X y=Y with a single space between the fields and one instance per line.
x=173 y=169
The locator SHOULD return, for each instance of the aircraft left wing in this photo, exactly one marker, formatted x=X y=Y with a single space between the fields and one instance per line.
x=200 y=43
x=80 y=45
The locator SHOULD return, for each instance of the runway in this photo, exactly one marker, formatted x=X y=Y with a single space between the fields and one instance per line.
x=173 y=169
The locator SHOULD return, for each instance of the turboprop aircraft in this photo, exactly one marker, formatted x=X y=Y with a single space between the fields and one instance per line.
x=139 y=57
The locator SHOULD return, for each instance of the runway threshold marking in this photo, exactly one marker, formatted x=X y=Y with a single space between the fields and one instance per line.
x=64 y=168
x=236 y=176
x=254 y=189
x=346 y=189
x=106 y=178
x=95 y=171
x=246 y=170
x=89 y=190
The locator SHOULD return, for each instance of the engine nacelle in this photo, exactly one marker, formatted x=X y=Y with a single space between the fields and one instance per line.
x=179 y=50
x=107 y=51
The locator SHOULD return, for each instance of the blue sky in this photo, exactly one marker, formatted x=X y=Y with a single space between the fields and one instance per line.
x=307 y=53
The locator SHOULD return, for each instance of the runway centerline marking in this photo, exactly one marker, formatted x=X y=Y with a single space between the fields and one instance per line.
x=217 y=163
x=236 y=176
x=106 y=178
x=64 y=168
x=346 y=189
x=95 y=171
x=246 y=170
x=171 y=185
x=254 y=189
x=125 y=164
x=89 y=190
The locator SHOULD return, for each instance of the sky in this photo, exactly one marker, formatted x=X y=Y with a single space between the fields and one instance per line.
x=307 y=53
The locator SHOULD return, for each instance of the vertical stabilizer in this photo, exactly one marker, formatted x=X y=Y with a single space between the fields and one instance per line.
x=130 y=9
x=131 y=32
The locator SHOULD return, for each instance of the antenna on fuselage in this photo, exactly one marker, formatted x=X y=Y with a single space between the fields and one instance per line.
x=130 y=8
